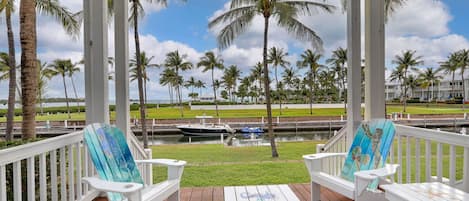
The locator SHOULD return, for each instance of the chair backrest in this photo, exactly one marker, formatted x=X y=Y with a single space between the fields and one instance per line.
x=369 y=149
x=111 y=155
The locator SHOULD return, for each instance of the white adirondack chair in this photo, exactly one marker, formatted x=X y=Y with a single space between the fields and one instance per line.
x=118 y=172
x=321 y=175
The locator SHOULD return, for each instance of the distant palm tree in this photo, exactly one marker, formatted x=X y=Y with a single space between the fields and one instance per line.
x=190 y=84
x=450 y=66
x=256 y=73
x=146 y=63
x=70 y=72
x=43 y=76
x=463 y=60
x=178 y=62
x=405 y=62
x=338 y=61
x=241 y=14
x=200 y=85
x=430 y=77
x=230 y=78
x=168 y=78
x=277 y=57
x=60 y=67
x=413 y=83
x=210 y=62
x=398 y=76
x=310 y=60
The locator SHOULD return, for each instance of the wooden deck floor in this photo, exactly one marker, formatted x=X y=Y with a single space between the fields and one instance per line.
x=302 y=191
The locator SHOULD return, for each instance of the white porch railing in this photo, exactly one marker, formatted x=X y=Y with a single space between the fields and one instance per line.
x=52 y=169
x=425 y=155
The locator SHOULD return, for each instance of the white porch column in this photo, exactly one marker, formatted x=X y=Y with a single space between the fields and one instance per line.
x=354 y=94
x=121 y=38
x=374 y=59
x=96 y=61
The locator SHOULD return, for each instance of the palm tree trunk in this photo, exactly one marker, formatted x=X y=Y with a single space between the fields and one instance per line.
x=66 y=97
x=278 y=90
x=28 y=67
x=452 y=87
x=76 y=94
x=181 y=107
x=267 y=92
x=214 y=92
x=12 y=76
x=311 y=95
x=463 y=90
x=140 y=76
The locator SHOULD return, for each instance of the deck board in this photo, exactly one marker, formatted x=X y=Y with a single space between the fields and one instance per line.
x=302 y=192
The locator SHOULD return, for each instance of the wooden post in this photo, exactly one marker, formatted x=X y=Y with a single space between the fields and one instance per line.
x=354 y=65
x=374 y=59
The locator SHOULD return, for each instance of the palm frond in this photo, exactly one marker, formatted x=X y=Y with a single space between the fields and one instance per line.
x=231 y=15
x=308 y=7
x=301 y=31
x=62 y=14
x=233 y=29
x=136 y=8
x=238 y=3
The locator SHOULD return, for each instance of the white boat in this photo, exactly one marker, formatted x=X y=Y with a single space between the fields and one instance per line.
x=205 y=129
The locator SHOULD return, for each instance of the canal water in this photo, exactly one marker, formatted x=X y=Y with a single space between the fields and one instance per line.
x=280 y=137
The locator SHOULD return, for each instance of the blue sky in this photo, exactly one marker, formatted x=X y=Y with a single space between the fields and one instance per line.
x=433 y=28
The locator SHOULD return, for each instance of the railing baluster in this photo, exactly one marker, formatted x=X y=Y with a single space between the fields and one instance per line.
x=53 y=175
x=428 y=160
x=42 y=177
x=31 y=179
x=63 y=175
x=3 y=183
x=439 y=162
x=452 y=165
x=466 y=170
x=417 y=160
x=407 y=160
x=85 y=167
x=399 y=158
x=78 y=171
x=71 y=174
x=17 y=181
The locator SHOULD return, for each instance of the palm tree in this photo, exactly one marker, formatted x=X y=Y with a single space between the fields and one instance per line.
x=230 y=78
x=256 y=73
x=167 y=78
x=60 y=67
x=338 y=61
x=398 y=75
x=413 y=83
x=178 y=62
x=43 y=76
x=190 y=84
x=430 y=77
x=463 y=60
x=405 y=62
x=70 y=71
x=450 y=66
x=211 y=62
x=200 y=85
x=242 y=13
x=277 y=57
x=146 y=62
x=310 y=60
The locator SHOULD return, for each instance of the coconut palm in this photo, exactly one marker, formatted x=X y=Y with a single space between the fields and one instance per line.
x=310 y=60
x=463 y=60
x=277 y=57
x=210 y=62
x=178 y=62
x=230 y=78
x=167 y=78
x=59 y=67
x=338 y=61
x=70 y=72
x=190 y=84
x=240 y=15
x=200 y=85
x=43 y=76
x=413 y=82
x=450 y=66
x=405 y=62
x=430 y=77
x=398 y=75
x=146 y=63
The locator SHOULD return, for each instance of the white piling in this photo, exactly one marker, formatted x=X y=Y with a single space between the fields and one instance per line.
x=262 y=121
x=47 y=124
x=278 y=120
x=66 y=124
x=153 y=123
x=341 y=117
x=221 y=138
x=335 y=132
x=465 y=115
x=219 y=121
x=408 y=116
x=438 y=129
x=463 y=131
x=190 y=140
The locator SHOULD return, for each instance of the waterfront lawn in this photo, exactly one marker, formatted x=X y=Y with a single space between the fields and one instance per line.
x=217 y=165
x=174 y=113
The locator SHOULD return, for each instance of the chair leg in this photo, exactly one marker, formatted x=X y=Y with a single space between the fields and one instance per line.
x=174 y=196
x=315 y=192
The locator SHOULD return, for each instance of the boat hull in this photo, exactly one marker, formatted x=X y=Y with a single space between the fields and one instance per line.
x=194 y=131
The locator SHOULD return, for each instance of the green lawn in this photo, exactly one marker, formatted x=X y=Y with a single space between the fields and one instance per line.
x=173 y=113
x=216 y=165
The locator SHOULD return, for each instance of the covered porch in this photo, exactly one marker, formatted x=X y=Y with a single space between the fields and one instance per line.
x=424 y=155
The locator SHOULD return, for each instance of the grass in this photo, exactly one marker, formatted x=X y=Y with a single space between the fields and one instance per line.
x=173 y=113
x=216 y=165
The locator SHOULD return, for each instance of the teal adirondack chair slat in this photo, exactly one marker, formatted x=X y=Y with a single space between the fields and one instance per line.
x=369 y=149
x=111 y=156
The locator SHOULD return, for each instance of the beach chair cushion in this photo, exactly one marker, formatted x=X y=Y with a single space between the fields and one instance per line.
x=369 y=149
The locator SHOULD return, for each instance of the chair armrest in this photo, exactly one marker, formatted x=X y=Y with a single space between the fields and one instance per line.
x=319 y=156
x=364 y=178
x=387 y=170
x=167 y=162
x=110 y=186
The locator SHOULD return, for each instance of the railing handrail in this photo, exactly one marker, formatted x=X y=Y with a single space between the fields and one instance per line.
x=21 y=152
x=434 y=135
x=335 y=139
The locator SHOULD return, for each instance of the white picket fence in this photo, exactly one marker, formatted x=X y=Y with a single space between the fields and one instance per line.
x=53 y=169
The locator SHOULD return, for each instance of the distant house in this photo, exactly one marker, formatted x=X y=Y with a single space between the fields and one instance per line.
x=440 y=91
